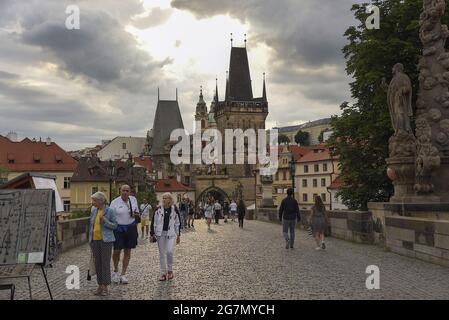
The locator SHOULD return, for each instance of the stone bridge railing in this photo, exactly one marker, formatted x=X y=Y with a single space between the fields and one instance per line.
x=72 y=233
x=356 y=226
x=402 y=231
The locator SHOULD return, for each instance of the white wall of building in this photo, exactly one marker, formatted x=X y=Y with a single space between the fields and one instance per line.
x=120 y=147
x=337 y=203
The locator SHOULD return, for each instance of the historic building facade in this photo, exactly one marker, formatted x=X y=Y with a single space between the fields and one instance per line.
x=238 y=110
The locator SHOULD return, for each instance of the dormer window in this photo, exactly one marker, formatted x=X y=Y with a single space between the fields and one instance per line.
x=58 y=158
x=36 y=158
x=11 y=159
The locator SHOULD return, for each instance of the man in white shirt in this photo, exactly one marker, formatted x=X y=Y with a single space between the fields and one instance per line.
x=145 y=221
x=126 y=234
x=233 y=209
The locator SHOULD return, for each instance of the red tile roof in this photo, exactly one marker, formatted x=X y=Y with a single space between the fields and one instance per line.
x=299 y=152
x=170 y=185
x=145 y=162
x=337 y=183
x=27 y=155
x=316 y=155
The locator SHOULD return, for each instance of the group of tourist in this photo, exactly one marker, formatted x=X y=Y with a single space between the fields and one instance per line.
x=187 y=209
x=213 y=209
x=113 y=229
x=289 y=214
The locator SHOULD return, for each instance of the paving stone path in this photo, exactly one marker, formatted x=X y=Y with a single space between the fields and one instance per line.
x=231 y=263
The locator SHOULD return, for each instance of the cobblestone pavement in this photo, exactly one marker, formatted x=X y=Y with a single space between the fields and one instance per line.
x=231 y=263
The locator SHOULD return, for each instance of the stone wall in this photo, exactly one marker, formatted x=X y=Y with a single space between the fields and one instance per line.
x=72 y=233
x=420 y=238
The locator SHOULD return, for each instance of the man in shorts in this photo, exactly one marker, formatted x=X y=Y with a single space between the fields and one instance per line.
x=145 y=208
x=126 y=234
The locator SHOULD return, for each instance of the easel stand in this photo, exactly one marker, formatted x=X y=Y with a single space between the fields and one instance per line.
x=23 y=271
x=46 y=280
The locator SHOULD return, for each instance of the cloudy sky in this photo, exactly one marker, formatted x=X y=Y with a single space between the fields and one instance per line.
x=81 y=86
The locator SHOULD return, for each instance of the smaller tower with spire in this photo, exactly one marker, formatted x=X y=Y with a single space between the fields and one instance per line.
x=201 y=111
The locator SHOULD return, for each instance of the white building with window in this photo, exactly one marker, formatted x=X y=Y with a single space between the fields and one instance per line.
x=314 y=173
x=120 y=148
x=337 y=203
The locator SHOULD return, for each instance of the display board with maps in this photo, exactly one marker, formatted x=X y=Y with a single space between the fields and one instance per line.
x=27 y=227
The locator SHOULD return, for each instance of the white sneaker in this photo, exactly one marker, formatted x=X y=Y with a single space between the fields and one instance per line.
x=116 y=277
x=123 y=279
x=318 y=248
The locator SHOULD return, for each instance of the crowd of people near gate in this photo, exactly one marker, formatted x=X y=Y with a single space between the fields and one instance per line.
x=113 y=228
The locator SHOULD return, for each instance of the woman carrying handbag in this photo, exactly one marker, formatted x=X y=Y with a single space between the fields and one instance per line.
x=101 y=238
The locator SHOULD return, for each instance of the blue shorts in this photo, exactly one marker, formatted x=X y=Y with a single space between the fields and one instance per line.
x=126 y=237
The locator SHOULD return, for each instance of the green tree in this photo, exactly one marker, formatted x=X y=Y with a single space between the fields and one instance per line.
x=302 y=138
x=282 y=138
x=361 y=133
x=149 y=195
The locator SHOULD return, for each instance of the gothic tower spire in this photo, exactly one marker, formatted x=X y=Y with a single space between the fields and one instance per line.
x=264 y=93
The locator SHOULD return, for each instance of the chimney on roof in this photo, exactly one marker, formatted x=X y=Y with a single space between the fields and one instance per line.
x=12 y=136
x=48 y=141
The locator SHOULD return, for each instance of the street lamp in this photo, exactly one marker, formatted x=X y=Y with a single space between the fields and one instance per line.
x=111 y=174
x=255 y=188
x=292 y=172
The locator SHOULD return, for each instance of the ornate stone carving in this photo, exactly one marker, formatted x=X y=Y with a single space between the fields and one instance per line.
x=402 y=145
x=427 y=157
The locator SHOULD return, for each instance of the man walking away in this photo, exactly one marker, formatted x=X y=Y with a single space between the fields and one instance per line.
x=226 y=211
x=241 y=210
x=191 y=215
x=288 y=213
x=217 y=208
x=183 y=209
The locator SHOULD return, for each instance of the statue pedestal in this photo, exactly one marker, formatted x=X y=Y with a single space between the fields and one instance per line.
x=267 y=192
x=401 y=170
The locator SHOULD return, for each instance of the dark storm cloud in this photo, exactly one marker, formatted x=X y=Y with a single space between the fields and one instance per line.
x=101 y=57
x=24 y=102
x=7 y=75
x=101 y=50
x=306 y=34
x=305 y=31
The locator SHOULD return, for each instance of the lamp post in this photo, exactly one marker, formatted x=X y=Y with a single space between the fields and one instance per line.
x=292 y=172
x=111 y=173
x=255 y=188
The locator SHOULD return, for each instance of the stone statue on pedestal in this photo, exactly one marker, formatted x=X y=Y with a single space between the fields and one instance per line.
x=402 y=144
x=399 y=98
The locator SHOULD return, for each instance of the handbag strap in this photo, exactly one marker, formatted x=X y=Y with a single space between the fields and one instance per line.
x=130 y=207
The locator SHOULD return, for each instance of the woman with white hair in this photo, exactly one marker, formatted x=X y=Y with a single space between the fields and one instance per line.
x=101 y=238
x=165 y=229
